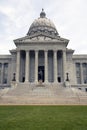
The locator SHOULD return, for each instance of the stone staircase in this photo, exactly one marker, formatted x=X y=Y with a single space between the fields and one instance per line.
x=34 y=90
x=43 y=94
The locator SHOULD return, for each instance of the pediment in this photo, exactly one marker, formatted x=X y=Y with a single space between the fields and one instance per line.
x=40 y=38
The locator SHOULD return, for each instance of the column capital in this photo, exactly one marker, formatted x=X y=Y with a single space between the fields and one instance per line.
x=26 y=50
x=36 y=50
x=55 y=51
x=46 y=50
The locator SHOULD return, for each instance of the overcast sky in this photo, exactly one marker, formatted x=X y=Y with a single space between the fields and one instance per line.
x=69 y=17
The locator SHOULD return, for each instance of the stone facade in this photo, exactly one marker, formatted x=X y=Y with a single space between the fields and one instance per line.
x=43 y=57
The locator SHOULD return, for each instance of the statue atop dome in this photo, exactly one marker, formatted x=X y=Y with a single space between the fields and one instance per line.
x=42 y=14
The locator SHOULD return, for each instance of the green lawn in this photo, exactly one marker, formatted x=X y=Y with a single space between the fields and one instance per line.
x=43 y=117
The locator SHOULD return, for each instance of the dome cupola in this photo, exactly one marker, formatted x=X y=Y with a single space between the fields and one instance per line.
x=42 y=14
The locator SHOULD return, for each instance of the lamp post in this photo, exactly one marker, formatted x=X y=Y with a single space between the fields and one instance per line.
x=13 y=77
x=67 y=76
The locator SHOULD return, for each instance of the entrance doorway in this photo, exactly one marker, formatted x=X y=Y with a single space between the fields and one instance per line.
x=41 y=73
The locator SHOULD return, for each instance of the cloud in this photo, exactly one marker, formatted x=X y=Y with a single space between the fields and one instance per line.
x=69 y=17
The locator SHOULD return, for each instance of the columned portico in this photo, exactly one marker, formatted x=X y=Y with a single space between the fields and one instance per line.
x=41 y=64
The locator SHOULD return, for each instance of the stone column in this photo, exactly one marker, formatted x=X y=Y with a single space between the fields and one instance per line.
x=18 y=66
x=64 y=65
x=36 y=66
x=55 y=66
x=82 y=82
x=27 y=67
x=2 y=73
x=46 y=66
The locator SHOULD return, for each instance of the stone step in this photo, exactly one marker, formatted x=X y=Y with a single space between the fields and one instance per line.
x=46 y=91
x=48 y=94
x=42 y=101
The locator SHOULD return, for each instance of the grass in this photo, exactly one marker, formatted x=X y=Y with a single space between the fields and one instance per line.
x=43 y=117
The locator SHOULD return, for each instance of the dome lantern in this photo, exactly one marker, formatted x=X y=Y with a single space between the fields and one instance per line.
x=42 y=14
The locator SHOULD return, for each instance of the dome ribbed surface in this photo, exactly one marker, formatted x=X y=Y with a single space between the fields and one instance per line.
x=42 y=24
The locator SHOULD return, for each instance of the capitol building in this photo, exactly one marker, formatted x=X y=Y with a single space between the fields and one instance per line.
x=42 y=58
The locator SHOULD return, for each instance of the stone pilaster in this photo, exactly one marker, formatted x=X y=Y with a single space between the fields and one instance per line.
x=27 y=67
x=55 y=66
x=46 y=66
x=18 y=66
x=36 y=66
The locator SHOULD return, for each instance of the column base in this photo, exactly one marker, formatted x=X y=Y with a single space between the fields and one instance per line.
x=46 y=82
x=55 y=82
x=26 y=81
x=36 y=82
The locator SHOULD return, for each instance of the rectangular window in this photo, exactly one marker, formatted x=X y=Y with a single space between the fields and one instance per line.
x=85 y=73
x=0 y=72
x=78 y=73
x=5 y=74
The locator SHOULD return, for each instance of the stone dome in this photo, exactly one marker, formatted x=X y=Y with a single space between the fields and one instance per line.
x=42 y=25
